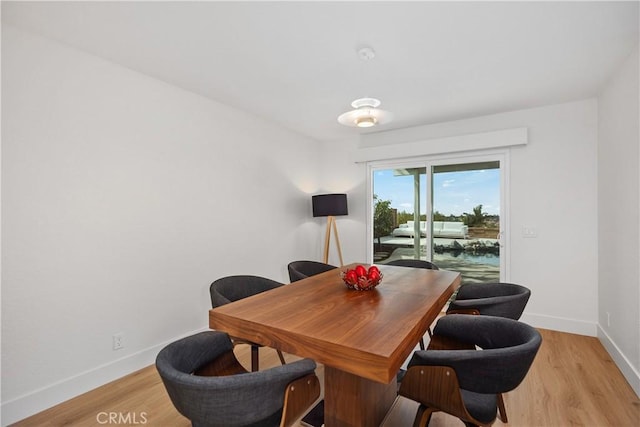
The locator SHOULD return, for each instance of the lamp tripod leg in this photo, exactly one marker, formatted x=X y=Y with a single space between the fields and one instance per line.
x=335 y=231
x=327 y=238
x=331 y=224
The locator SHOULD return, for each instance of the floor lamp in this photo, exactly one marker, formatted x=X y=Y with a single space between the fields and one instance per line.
x=330 y=205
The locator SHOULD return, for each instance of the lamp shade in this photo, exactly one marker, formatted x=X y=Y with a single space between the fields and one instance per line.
x=329 y=204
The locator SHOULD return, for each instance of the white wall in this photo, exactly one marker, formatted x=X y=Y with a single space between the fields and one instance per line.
x=553 y=183
x=122 y=199
x=619 y=219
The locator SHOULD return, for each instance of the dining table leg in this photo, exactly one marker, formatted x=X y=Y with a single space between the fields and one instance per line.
x=351 y=400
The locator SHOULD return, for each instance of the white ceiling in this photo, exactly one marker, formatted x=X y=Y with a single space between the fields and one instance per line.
x=296 y=63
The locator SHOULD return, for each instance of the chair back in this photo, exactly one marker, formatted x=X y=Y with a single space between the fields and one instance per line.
x=299 y=270
x=492 y=299
x=254 y=398
x=415 y=263
x=508 y=350
x=234 y=288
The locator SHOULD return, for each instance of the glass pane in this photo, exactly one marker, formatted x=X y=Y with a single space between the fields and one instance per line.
x=399 y=219
x=466 y=220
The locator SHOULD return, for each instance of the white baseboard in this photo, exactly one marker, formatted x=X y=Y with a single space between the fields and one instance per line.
x=630 y=373
x=31 y=403
x=561 y=324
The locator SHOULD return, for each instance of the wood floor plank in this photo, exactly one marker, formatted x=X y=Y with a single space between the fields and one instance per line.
x=573 y=382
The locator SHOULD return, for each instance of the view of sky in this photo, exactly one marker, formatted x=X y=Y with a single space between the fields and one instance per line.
x=454 y=192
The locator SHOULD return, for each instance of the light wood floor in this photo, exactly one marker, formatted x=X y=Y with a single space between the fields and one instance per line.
x=573 y=382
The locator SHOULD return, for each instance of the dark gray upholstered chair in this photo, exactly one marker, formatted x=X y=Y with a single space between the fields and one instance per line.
x=299 y=270
x=207 y=384
x=492 y=299
x=416 y=263
x=234 y=288
x=454 y=377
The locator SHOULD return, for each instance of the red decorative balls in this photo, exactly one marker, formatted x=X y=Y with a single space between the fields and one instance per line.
x=362 y=279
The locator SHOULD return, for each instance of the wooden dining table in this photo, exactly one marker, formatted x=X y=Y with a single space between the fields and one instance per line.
x=361 y=337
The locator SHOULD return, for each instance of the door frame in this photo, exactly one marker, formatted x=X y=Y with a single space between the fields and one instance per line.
x=449 y=159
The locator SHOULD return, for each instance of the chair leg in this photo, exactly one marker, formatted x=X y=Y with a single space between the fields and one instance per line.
x=423 y=416
x=281 y=356
x=255 y=358
x=501 y=409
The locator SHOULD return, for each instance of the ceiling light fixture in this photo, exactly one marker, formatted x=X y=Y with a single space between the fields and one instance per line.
x=366 y=113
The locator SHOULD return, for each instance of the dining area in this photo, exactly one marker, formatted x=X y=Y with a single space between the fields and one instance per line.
x=360 y=340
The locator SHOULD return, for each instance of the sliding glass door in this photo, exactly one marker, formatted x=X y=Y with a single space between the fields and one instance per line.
x=449 y=211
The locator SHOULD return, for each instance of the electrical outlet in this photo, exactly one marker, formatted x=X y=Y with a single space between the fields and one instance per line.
x=118 y=341
x=608 y=319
